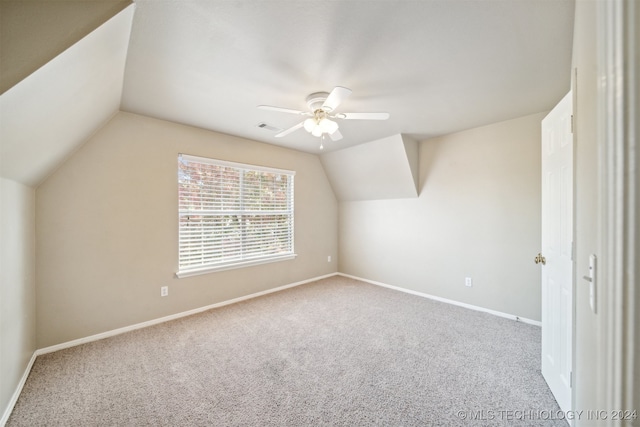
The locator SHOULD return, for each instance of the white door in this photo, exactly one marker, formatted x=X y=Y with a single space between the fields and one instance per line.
x=556 y=256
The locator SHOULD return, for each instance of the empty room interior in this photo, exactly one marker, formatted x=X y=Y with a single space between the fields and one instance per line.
x=299 y=213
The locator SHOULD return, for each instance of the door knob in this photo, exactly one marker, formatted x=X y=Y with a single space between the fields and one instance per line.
x=539 y=259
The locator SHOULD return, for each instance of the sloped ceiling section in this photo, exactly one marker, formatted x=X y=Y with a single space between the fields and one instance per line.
x=33 y=32
x=49 y=114
x=383 y=169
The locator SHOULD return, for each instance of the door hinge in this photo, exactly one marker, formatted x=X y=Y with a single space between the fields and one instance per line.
x=572 y=123
x=572 y=250
x=571 y=379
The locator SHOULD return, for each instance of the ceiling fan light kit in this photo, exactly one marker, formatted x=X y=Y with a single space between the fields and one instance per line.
x=321 y=105
x=319 y=124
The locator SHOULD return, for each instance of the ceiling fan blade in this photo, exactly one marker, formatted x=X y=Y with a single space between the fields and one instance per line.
x=335 y=136
x=282 y=110
x=337 y=95
x=363 y=116
x=291 y=129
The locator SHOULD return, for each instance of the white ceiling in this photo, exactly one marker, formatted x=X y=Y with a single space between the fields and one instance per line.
x=437 y=66
x=377 y=170
x=48 y=115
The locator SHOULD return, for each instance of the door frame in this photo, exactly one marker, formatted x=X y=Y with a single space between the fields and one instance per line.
x=619 y=192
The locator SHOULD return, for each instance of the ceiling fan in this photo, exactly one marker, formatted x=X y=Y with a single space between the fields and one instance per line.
x=322 y=106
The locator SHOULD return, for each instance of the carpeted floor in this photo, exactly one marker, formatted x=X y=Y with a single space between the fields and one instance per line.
x=332 y=352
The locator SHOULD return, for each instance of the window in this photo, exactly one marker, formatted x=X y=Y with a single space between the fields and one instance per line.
x=232 y=215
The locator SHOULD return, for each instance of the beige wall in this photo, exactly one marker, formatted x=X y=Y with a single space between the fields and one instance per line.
x=17 y=285
x=478 y=215
x=107 y=229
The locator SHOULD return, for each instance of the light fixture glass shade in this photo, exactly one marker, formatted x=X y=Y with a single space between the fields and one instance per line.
x=309 y=125
x=318 y=125
x=328 y=126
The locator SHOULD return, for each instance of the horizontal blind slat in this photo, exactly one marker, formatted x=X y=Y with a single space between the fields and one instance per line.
x=231 y=212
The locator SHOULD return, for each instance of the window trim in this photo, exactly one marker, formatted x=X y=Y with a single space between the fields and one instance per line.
x=235 y=263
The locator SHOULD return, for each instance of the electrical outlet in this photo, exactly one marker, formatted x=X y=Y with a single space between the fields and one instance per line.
x=164 y=291
x=468 y=282
x=329 y=258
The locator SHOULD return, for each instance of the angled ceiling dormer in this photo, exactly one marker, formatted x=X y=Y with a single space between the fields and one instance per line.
x=437 y=67
x=46 y=116
x=383 y=169
x=34 y=32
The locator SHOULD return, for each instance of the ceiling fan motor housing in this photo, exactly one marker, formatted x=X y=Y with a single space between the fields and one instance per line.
x=316 y=100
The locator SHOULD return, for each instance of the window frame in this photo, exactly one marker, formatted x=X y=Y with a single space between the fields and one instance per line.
x=236 y=263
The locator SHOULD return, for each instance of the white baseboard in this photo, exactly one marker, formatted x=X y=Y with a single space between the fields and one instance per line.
x=114 y=332
x=16 y=394
x=448 y=301
x=148 y=323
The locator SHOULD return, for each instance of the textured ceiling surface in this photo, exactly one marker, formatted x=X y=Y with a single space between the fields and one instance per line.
x=437 y=66
x=53 y=111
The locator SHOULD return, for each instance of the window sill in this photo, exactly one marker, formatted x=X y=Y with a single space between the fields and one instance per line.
x=229 y=266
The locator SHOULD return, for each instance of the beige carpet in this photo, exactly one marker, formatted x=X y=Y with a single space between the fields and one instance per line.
x=332 y=352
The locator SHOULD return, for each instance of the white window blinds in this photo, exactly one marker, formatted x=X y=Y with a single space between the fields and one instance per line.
x=232 y=214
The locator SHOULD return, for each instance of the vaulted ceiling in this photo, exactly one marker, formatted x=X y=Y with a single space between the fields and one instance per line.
x=436 y=66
